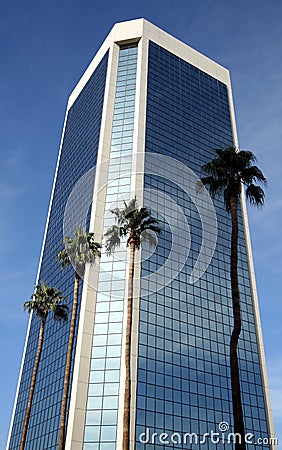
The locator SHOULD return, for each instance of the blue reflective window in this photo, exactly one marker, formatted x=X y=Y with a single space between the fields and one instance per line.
x=78 y=156
x=184 y=329
x=109 y=311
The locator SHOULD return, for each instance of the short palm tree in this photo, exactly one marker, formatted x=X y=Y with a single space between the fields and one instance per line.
x=227 y=174
x=135 y=225
x=78 y=251
x=45 y=300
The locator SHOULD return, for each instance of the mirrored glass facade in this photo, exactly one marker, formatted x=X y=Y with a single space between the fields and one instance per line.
x=184 y=329
x=102 y=405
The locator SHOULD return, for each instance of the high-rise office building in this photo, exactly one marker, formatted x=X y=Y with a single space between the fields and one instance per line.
x=146 y=115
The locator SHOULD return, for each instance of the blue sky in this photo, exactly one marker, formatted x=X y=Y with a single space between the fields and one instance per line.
x=45 y=47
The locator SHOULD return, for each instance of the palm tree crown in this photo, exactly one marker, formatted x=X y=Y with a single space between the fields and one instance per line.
x=79 y=251
x=229 y=171
x=45 y=299
x=132 y=223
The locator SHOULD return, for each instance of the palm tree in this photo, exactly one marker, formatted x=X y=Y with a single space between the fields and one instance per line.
x=44 y=300
x=78 y=251
x=135 y=225
x=227 y=174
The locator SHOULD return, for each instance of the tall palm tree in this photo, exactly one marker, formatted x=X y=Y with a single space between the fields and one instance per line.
x=135 y=225
x=78 y=251
x=227 y=174
x=45 y=300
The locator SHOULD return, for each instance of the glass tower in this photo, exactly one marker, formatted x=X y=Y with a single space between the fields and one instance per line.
x=146 y=115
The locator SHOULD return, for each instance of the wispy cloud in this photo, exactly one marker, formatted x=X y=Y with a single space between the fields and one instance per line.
x=13 y=160
x=9 y=191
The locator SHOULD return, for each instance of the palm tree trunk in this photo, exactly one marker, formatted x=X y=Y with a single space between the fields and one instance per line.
x=33 y=381
x=234 y=365
x=68 y=364
x=127 y=392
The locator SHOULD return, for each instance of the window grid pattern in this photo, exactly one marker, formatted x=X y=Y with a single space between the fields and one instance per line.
x=184 y=330
x=78 y=155
x=102 y=406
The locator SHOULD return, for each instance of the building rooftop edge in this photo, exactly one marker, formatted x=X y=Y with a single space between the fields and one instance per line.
x=142 y=28
x=149 y=24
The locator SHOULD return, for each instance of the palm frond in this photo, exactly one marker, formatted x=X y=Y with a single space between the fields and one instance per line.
x=94 y=246
x=216 y=185
x=79 y=251
x=118 y=213
x=63 y=257
x=255 y=195
x=113 y=235
x=60 y=313
x=146 y=236
x=131 y=222
x=46 y=299
x=215 y=168
x=227 y=172
x=30 y=306
x=131 y=205
x=252 y=174
x=247 y=157
x=150 y=224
